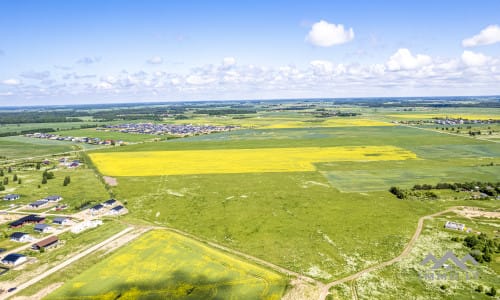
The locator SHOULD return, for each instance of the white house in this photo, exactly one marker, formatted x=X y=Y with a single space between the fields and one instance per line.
x=61 y=221
x=42 y=228
x=14 y=259
x=454 y=226
x=20 y=237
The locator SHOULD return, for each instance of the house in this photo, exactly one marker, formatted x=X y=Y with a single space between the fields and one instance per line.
x=74 y=165
x=20 y=237
x=96 y=208
x=11 y=197
x=109 y=202
x=49 y=242
x=117 y=210
x=61 y=221
x=53 y=198
x=38 y=204
x=42 y=228
x=454 y=226
x=31 y=219
x=14 y=259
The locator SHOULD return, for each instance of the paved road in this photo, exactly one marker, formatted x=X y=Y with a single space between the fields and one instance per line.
x=66 y=263
x=326 y=288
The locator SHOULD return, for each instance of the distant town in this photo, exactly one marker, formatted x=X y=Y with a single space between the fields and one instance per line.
x=182 y=130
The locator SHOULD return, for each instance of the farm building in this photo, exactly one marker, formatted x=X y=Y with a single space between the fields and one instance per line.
x=20 y=237
x=31 y=219
x=454 y=226
x=14 y=259
x=61 y=221
x=53 y=198
x=42 y=228
x=11 y=197
x=96 y=208
x=109 y=202
x=38 y=204
x=117 y=210
x=49 y=242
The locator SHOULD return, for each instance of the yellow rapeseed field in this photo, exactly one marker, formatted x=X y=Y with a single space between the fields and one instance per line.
x=153 y=163
x=452 y=116
x=329 y=123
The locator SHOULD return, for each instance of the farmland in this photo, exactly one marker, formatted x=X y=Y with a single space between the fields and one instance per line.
x=237 y=160
x=304 y=190
x=162 y=264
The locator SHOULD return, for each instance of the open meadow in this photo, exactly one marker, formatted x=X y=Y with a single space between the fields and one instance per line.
x=329 y=221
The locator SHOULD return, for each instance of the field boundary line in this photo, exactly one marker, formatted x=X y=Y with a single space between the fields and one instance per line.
x=246 y=256
x=449 y=133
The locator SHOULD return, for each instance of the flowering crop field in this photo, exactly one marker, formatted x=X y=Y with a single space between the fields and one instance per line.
x=224 y=161
x=165 y=265
x=347 y=122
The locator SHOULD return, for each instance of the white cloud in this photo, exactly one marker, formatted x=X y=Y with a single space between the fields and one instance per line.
x=324 y=34
x=489 y=35
x=404 y=60
x=228 y=61
x=473 y=59
x=322 y=66
x=36 y=75
x=12 y=82
x=155 y=60
x=103 y=85
x=199 y=80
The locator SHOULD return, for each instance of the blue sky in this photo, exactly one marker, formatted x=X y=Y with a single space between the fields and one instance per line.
x=54 y=52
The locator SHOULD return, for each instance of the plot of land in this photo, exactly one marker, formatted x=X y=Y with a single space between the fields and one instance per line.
x=442 y=115
x=165 y=265
x=330 y=123
x=237 y=160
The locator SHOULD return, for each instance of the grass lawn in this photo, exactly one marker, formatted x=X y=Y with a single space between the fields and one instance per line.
x=165 y=265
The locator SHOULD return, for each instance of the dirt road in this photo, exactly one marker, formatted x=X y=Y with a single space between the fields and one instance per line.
x=66 y=263
x=326 y=288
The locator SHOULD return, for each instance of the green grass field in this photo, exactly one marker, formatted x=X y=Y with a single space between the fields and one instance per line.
x=20 y=147
x=165 y=265
x=401 y=280
x=327 y=224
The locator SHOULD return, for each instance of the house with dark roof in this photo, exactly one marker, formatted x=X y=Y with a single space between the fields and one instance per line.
x=42 y=228
x=61 y=221
x=96 y=208
x=38 y=204
x=14 y=259
x=117 y=210
x=20 y=237
x=53 y=198
x=11 y=197
x=47 y=243
x=31 y=219
x=109 y=202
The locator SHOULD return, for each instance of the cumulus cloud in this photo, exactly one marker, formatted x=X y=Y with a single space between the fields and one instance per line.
x=473 y=59
x=489 y=35
x=324 y=34
x=88 y=60
x=36 y=75
x=155 y=60
x=404 y=60
x=11 y=82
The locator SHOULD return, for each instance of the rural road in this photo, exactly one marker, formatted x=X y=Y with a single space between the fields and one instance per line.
x=66 y=263
x=326 y=288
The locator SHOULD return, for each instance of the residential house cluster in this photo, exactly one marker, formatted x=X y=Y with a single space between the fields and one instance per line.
x=166 y=129
x=111 y=206
x=45 y=201
x=86 y=140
